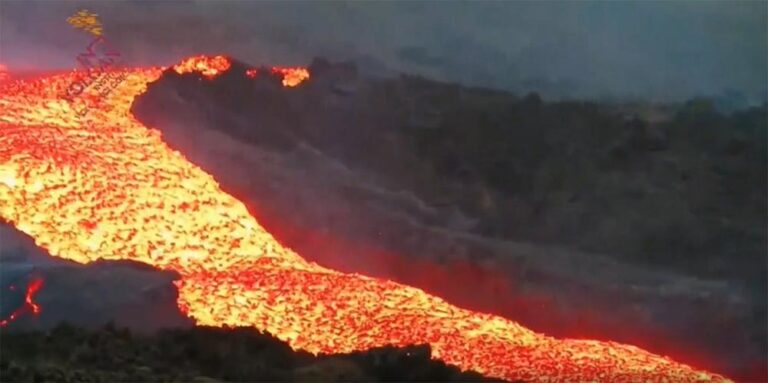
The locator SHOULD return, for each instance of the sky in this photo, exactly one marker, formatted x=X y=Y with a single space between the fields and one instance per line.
x=649 y=50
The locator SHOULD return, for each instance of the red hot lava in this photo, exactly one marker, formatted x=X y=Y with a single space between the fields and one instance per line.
x=112 y=189
x=29 y=302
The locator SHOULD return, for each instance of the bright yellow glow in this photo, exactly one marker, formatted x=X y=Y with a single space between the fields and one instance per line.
x=108 y=187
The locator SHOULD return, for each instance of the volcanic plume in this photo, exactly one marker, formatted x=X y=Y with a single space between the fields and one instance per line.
x=108 y=187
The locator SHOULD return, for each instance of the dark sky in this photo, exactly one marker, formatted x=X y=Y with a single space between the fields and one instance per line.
x=655 y=50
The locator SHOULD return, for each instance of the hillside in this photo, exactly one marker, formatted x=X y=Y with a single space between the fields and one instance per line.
x=550 y=211
x=203 y=355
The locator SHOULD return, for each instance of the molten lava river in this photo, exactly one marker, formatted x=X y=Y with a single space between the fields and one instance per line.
x=104 y=186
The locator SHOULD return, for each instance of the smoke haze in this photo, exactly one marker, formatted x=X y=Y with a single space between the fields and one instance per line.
x=660 y=51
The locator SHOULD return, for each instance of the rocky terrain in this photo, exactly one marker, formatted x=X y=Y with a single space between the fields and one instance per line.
x=644 y=225
x=203 y=355
x=126 y=293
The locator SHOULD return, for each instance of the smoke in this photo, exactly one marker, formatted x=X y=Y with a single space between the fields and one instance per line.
x=652 y=50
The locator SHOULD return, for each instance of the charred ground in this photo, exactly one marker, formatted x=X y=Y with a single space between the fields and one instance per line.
x=203 y=354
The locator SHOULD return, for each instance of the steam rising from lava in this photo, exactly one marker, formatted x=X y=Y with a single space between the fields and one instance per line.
x=108 y=187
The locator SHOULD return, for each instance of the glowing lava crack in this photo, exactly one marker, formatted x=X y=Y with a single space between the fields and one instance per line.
x=109 y=187
x=29 y=304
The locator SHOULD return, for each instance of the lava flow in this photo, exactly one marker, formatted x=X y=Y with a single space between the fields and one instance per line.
x=108 y=187
x=29 y=302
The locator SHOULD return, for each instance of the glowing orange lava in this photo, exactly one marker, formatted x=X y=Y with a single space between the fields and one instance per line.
x=29 y=302
x=207 y=66
x=211 y=67
x=108 y=187
x=291 y=76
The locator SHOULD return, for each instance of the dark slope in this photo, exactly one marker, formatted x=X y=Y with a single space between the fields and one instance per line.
x=643 y=224
x=203 y=354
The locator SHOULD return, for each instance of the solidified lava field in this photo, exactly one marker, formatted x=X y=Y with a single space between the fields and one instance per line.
x=107 y=187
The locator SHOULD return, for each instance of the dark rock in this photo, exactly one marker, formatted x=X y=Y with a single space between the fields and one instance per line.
x=219 y=355
x=354 y=176
x=129 y=294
